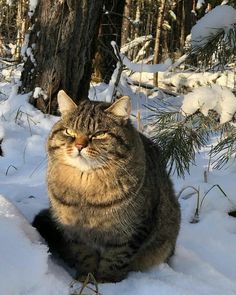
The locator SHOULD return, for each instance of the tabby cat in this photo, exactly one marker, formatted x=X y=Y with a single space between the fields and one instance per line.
x=112 y=205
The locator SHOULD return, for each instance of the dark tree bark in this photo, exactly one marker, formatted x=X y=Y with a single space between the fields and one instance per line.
x=110 y=30
x=63 y=46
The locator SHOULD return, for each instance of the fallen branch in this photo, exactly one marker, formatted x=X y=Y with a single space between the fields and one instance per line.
x=150 y=86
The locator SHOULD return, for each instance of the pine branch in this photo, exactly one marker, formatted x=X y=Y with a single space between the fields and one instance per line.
x=178 y=138
x=224 y=150
x=217 y=49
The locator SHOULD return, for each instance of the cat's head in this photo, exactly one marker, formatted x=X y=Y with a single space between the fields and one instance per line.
x=92 y=134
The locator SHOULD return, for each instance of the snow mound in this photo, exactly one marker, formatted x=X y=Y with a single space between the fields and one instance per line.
x=203 y=99
x=24 y=267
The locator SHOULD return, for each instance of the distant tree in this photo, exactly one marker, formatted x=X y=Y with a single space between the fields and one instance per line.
x=160 y=18
x=62 y=44
x=110 y=30
x=126 y=22
x=8 y=28
x=186 y=21
x=22 y=24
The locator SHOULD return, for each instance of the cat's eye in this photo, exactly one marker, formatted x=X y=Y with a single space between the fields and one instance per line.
x=70 y=132
x=100 y=135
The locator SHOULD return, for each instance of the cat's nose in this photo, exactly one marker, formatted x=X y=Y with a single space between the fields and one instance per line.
x=81 y=142
x=79 y=147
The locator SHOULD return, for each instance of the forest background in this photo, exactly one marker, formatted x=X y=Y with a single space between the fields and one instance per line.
x=176 y=60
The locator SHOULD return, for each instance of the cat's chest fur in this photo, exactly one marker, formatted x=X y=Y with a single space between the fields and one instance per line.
x=93 y=205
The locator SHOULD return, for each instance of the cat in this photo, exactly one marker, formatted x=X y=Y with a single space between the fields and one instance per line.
x=112 y=205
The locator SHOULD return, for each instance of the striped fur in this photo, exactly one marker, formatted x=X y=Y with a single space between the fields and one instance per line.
x=112 y=205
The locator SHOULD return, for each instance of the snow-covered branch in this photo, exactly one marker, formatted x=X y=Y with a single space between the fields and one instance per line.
x=220 y=18
x=216 y=98
x=135 y=43
x=144 y=67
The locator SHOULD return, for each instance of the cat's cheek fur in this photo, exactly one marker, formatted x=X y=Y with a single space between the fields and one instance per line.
x=73 y=152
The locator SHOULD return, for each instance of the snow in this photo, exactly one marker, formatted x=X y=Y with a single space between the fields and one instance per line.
x=9 y=2
x=24 y=261
x=145 y=67
x=219 y=99
x=136 y=67
x=221 y=17
x=29 y=52
x=135 y=43
x=1 y=132
x=200 y=3
x=205 y=257
x=39 y=91
x=25 y=46
x=32 y=7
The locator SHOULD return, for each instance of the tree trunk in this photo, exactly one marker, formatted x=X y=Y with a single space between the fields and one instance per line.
x=60 y=51
x=186 y=23
x=160 y=18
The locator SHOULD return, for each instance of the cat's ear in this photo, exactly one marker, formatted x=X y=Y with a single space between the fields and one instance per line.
x=121 y=107
x=65 y=103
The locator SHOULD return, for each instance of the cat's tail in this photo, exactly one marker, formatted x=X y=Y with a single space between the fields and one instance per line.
x=47 y=228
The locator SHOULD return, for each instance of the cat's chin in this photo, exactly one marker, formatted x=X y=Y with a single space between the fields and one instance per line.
x=82 y=163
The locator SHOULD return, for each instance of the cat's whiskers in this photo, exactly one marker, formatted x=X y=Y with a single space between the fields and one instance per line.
x=135 y=180
x=86 y=163
x=39 y=167
x=125 y=223
x=129 y=196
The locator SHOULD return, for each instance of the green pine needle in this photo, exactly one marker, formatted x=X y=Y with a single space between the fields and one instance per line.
x=224 y=150
x=180 y=137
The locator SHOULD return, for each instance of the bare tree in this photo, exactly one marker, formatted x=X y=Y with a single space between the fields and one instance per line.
x=126 y=22
x=110 y=30
x=160 y=18
x=22 y=25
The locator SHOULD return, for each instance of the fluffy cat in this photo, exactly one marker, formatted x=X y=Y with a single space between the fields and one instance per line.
x=112 y=205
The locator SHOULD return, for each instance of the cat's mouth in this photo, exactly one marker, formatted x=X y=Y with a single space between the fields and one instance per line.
x=79 y=155
x=82 y=161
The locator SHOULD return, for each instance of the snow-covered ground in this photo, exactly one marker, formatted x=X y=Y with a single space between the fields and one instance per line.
x=205 y=258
